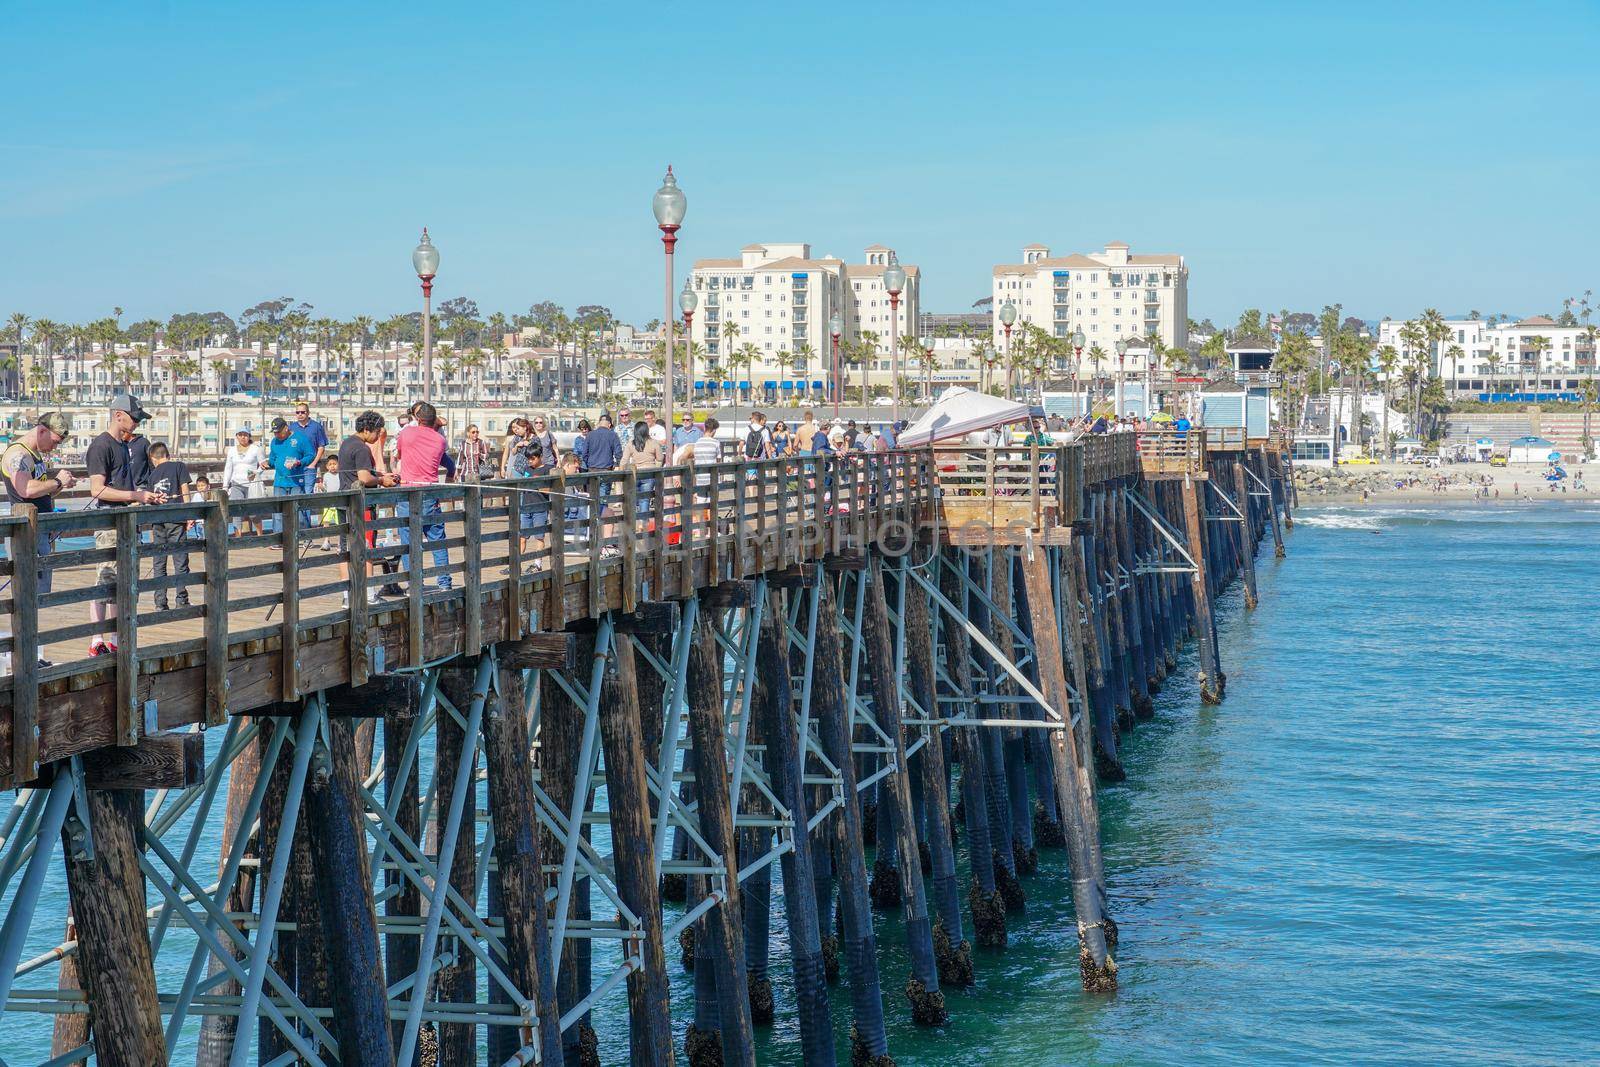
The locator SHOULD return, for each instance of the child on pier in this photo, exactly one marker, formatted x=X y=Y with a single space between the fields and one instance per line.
x=171 y=477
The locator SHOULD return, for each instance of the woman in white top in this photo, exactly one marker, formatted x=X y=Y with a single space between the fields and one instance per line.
x=241 y=472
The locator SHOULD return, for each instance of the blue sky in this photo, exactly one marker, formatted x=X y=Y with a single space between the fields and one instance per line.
x=179 y=156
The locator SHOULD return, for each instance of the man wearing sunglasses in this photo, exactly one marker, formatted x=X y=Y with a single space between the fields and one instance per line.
x=317 y=437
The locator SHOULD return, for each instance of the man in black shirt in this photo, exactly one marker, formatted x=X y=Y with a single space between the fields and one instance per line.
x=171 y=478
x=359 y=469
x=111 y=485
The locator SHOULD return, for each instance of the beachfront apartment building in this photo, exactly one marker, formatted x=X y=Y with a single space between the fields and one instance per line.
x=1504 y=357
x=1109 y=295
x=779 y=299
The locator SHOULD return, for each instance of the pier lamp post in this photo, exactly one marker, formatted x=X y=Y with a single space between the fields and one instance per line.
x=927 y=352
x=1077 y=360
x=1122 y=354
x=835 y=328
x=425 y=258
x=1008 y=318
x=688 y=300
x=669 y=205
x=894 y=280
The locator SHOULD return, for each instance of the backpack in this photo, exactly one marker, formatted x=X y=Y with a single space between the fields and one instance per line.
x=754 y=444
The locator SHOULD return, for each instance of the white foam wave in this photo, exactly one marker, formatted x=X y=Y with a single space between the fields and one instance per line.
x=1339 y=521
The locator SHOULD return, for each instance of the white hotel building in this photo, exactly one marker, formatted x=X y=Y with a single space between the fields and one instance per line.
x=1479 y=358
x=1108 y=295
x=780 y=299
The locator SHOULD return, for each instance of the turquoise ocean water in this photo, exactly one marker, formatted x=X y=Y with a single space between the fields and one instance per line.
x=1384 y=847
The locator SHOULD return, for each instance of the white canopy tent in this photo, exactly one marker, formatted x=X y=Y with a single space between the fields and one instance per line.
x=959 y=412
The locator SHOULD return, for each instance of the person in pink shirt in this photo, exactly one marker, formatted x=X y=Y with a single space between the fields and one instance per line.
x=422 y=452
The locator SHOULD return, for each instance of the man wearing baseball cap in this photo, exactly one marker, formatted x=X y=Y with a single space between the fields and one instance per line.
x=28 y=480
x=111 y=485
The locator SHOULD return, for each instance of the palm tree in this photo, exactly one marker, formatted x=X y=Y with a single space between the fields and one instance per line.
x=866 y=348
x=1388 y=360
x=267 y=371
x=983 y=352
x=1454 y=354
x=1494 y=361
x=1097 y=355
x=1538 y=344
x=745 y=356
x=17 y=329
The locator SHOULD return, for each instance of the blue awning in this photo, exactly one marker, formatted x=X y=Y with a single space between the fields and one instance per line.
x=744 y=385
x=816 y=385
x=727 y=385
x=788 y=385
x=699 y=385
x=798 y=274
x=769 y=385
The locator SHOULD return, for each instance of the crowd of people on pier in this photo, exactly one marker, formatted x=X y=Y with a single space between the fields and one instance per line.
x=298 y=457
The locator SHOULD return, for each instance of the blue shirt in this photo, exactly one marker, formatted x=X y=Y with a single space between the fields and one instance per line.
x=312 y=431
x=603 y=450
x=295 y=446
x=689 y=436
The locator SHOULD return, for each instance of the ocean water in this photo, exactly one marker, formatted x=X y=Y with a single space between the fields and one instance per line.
x=1383 y=847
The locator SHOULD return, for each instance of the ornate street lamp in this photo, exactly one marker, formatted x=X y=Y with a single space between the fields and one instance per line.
x=669 y=205
x=1008 y=317
x=835 y=328
x=1122 y=354
x=425 y=258
x=688 y=300
x=894 y=280
x=1077 y=360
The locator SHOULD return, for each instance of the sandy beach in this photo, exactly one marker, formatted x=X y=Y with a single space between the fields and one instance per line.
x=1414 y=483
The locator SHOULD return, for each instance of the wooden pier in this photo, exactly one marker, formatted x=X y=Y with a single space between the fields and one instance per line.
x=374 y=819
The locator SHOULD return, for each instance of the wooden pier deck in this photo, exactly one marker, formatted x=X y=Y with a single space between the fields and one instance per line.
x=810 y=639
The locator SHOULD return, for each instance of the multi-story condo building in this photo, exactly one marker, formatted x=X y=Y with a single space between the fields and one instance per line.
x=778 y=300
x=1504 y=358
x=1108 y=295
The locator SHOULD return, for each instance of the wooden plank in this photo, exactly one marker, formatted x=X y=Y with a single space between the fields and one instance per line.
x=556 y=613
x=356 y=560
x=414 y=580
x=472 y=568
x=216 y=617
x=289 y=523
x=25 y=643
x=597 y=485
x=658 y=533
x=157 y=761
x=513 y=628
x=713 y=524
x=629 y=527
x=736 y=593
x=130 y=719
x=537 y=651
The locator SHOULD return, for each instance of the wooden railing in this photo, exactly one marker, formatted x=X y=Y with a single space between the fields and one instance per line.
x=1172 y=452
x=492 y=561
x=1226 y=438
x=224 y=606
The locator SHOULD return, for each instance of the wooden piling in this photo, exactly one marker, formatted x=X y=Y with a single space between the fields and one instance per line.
x=518 y=858
x=771 y=704
x=722 y=929
x=1096 y=968
x=983 y=897
x=868 y=1040
x=560 y=735
x=622 y=739
x=456 y=982
x=1194 y=517
x=1247 y=543
x=401 y=707
x=108 y=904
x=344 y=893
x=952 y=952
x=217 y=1031
x=922 y=990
